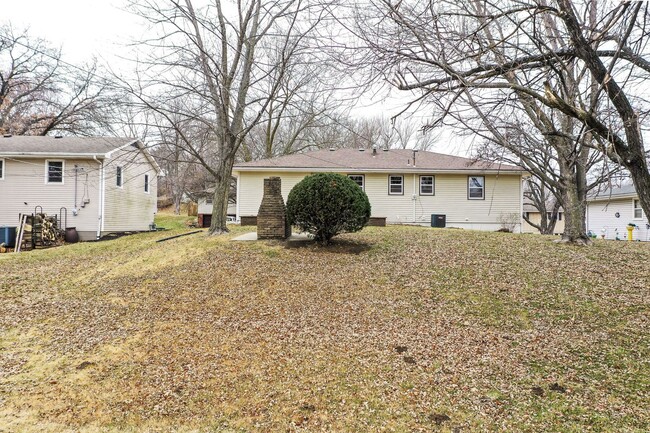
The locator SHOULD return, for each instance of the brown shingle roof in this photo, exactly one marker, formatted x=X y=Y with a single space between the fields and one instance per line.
x=37 y=145
x=390 y=160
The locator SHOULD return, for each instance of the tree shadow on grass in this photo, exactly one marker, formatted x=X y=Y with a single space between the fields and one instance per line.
x=337 y=246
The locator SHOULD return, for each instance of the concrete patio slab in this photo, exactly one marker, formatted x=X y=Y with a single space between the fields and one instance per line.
x=295 y=237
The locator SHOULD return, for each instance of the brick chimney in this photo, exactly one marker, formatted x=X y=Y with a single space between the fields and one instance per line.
x=272 y=220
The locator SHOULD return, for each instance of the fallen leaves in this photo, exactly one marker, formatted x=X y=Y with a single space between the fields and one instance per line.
x=390 y=329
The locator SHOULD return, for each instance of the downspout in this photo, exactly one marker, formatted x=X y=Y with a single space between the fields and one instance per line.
x=100 y=204
x=237 y=214
x=414 y=197
x=521 y=204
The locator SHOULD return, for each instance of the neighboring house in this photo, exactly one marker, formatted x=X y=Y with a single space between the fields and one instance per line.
x=609 y=212
x=205 y=209
x=535 y=216
x=99 y=185
x=403 y=186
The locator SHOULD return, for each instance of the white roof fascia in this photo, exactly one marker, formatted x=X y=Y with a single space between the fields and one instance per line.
x=110 y=153
x=142 y=149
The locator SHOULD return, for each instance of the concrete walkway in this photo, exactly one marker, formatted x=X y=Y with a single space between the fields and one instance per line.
x=295 y=237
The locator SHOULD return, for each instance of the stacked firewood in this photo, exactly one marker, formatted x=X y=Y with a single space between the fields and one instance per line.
x=45 y=230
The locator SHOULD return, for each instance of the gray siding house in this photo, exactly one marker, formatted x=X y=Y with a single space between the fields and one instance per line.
x=105 y=185
x=609 y=212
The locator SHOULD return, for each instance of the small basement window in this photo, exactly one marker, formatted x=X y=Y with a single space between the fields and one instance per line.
x=359 y=179
x=427 y=185
x=638 y=210
x=146 y=183
x=396 y=185
x=54 y=171
x=118 y=177
x=2 y=169
x=476 y=188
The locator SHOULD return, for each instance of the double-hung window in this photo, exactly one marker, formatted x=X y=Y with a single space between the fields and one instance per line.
x=359 y=179
x=396 y=184
x=54 y=171
x=146 y=183
x=476 y=187
x=638 y=210
x=427 y=185
x=119 y=179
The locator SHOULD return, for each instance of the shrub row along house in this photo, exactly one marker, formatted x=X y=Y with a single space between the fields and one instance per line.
x=98 y=185
x=403 y=186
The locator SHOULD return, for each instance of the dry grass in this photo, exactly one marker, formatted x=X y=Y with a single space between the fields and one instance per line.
x=393 y=329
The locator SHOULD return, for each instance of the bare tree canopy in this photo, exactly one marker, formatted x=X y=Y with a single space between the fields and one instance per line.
x=40 y=93
x=574 y=70
x=220 y=71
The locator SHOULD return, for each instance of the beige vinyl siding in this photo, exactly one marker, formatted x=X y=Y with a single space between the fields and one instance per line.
x=24 y=187
x=537 y=218
x=129 y=208
x=602 y=220
x=502 y=195
x=251 y=189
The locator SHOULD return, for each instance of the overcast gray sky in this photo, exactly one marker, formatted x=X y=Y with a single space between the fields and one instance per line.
x=101 y=28
x=82 y=27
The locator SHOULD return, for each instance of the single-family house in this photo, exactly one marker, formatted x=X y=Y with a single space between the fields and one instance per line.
x=403 y=186
x=535 y=216
x=98 y=185
x=204 y=212
x=611 y=211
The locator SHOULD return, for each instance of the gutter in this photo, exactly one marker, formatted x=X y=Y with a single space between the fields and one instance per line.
x=419 y=170
x=94 y=156
x=613 y=197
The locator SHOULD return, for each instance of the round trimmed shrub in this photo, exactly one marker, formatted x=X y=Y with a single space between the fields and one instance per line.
x=326 y=204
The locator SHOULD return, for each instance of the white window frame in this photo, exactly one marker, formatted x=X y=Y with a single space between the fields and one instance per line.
x=469 y=187
x=363 y=180
x=390 y=176
x=119 y=169
x=433 y=184
x=635 y=208
x=147 y=184
x=4 y=168
x=47 y=172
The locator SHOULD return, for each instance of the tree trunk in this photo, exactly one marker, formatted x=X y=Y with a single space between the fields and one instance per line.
x=575 y=205
x=641 y=177
x=220 y=198
x=177 y=204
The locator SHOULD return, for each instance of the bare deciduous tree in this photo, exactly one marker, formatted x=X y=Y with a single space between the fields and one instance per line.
x=485 y=60
x=40 y=93
x=222 y=66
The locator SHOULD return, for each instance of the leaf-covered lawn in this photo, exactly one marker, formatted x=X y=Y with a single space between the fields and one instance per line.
x=391 y=329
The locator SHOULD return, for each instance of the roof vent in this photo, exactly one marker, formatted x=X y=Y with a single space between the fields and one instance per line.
x=374 y=150
x=7 y=136
x=58 y=136
x=361 y=149
x=385 y=149
x=332 y=149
